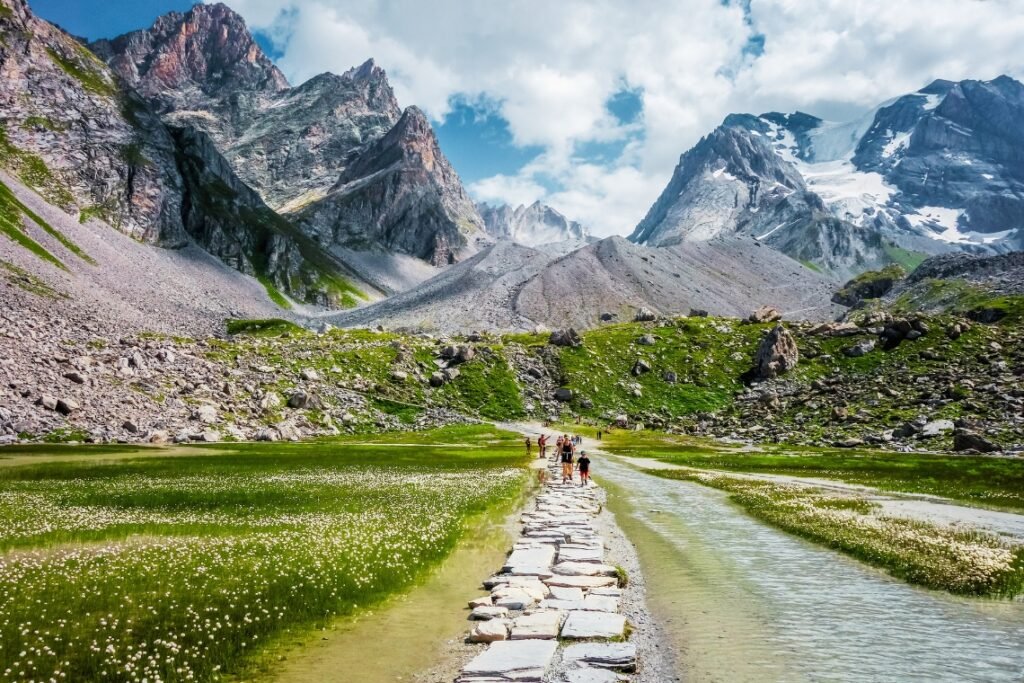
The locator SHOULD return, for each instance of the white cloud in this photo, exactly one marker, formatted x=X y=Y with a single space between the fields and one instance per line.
x=552 y=66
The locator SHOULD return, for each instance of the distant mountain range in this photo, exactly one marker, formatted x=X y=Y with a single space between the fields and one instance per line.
x=187 y=138
x=533 y=226
x=938 y=170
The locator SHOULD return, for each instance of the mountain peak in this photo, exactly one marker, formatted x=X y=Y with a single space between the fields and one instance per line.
x=367 y=71
x=209 y=47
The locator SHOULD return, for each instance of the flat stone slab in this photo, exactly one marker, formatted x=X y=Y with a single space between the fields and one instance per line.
x=487 y=612
x=595 y=603
x=514 y=598
x=489 y=631
x=582 y=581
x=511 y=660
x=543 y=556
x=609 y=591
x=618 y=656
x=584 y=569
x=484 y=601
x=580 y=553
x=581 y=625
x=591 y=676
x=600 y=603
x=543 y=624
x=563 y=593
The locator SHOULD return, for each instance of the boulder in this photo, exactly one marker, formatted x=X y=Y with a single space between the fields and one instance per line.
x=48 y=402
x=645 y=315
x=776 y=354
x=205 y=413
x=966 y=440
x=698 y=313
x=301 y=399
x=436 y=379
x=765 y=314
x=399 y=376
x=270 y=402
x=129 y=427
x=859 y=349
x=75 y=377
x=66 y=406
x=490 y=631
x=563 y=394
x=568 y=337
x=669 y=377
x=309 y=374
x=607 y=317
x=640 y=367
x=646 y=340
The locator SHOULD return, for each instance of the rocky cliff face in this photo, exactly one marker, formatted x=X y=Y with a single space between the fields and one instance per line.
x=933 y=171
x=532 y=226
x=336 y=153
x=90 y=145
x=69 y=131
x=400 y=193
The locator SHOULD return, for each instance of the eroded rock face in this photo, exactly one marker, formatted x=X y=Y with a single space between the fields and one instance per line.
x=72 y=134
x=335 y=154
x=777 y=354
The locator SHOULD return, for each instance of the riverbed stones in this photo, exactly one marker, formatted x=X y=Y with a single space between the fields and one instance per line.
x=524 y=661
x=584 y=625
x=563 y=593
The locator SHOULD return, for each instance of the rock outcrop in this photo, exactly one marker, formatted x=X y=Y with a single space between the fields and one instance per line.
x=776 y=354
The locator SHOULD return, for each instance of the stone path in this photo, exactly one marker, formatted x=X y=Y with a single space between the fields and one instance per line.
x=555 y=601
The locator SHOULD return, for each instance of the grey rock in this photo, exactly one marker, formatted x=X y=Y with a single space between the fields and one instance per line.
x=765 y=314
x=640 y=367
x=66 y=406
x=568 y=337
x=859 y=349
x=964 y=440
x=776 y=354
x=644 y=315
x=563 y=394
x=646 y=340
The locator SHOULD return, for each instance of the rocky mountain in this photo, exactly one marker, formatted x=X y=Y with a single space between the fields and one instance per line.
x=335 y=154
x=70 y=130
x=534 y=225
x=933 y=171
x=510 y=286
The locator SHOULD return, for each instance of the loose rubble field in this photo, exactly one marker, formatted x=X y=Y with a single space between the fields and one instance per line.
x=181 y=565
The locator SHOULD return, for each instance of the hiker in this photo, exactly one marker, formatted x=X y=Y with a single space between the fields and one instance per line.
x=566 y=457
x=528 y=445
x=584 y=465
x=542 y=443
x=598 y=434
x=558 y=446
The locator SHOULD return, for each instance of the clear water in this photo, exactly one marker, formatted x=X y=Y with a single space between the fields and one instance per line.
x=745 y=602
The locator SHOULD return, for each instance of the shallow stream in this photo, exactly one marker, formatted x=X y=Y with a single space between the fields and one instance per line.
x=743 y=601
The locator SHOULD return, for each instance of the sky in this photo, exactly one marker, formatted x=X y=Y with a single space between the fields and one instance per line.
x=587 y=104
